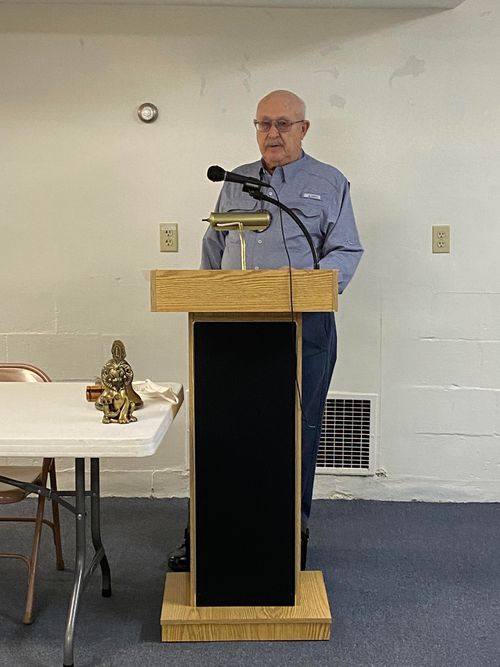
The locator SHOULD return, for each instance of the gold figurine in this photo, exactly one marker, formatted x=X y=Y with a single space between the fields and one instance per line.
x=118 y=399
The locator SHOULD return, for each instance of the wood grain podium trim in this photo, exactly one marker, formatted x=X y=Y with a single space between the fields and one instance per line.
x=202 y=291
x=310 y=619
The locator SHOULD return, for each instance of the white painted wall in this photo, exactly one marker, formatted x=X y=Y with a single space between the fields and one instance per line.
x=404 y=102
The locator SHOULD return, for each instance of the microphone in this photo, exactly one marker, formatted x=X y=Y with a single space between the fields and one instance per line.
x=216 y=173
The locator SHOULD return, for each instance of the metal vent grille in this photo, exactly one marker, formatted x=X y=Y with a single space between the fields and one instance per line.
x=346 y=442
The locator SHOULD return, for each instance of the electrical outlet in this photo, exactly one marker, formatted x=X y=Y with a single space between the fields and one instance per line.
x=169 y=240
x=440 y=238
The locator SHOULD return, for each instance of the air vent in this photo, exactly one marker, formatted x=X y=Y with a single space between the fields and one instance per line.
x=347 y=435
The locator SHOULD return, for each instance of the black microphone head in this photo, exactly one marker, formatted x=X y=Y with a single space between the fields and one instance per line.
x=216 y=173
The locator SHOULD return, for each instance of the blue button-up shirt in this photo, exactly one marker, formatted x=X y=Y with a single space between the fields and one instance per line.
x=318 y=193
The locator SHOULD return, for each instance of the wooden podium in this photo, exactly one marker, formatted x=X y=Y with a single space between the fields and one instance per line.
x=245 y=581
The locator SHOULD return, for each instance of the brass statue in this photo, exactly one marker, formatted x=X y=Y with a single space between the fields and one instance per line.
x=118 y=399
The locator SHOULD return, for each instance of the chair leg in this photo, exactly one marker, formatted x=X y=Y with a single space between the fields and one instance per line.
x=28 y=612
x=55 y=518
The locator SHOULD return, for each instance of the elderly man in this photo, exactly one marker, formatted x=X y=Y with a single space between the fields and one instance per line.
x=319 y=194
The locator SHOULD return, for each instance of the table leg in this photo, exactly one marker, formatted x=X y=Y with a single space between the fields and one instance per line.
x=95 y=521
x=79 y=561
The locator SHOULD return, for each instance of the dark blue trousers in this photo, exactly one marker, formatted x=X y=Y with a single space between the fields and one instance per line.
x=319 y=353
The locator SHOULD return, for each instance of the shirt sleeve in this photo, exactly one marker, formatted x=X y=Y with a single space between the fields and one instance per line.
x=341 y=248
x=213 y=244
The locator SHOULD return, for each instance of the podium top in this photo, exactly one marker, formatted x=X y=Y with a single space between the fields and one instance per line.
x=252 y=291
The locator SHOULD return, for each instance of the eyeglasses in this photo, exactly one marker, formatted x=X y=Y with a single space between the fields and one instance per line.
x=282 y=124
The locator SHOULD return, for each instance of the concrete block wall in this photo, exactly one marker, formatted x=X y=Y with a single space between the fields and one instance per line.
x=404 y=102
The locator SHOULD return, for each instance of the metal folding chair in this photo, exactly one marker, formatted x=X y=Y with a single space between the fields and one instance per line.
x=35 y=475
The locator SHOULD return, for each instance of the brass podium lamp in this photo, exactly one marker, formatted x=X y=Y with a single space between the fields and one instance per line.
x=237 y=221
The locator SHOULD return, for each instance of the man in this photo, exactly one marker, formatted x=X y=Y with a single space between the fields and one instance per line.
x=319 y=194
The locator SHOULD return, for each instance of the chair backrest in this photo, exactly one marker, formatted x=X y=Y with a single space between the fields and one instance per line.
x=22 y=373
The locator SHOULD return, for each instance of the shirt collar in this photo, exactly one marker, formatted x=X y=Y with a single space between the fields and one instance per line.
x=288 y=171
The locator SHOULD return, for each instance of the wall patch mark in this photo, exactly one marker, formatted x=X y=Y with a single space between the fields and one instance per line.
x=333 y=71
x=247 y=74
x=337 y=101
x=412 y=67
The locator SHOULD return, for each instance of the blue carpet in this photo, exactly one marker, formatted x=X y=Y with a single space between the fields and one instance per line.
x=410 y=585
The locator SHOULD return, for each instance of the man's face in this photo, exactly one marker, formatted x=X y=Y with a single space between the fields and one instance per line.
x=282 y=148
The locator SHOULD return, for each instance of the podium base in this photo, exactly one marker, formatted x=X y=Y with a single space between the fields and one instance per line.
x=310 y=619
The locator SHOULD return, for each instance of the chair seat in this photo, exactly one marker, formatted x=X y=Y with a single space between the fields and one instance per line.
x=11 y=494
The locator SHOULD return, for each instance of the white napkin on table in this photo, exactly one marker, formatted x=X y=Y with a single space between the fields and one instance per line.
x=153 y=390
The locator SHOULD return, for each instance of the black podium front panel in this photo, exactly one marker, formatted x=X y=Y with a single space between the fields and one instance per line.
x=244 y=413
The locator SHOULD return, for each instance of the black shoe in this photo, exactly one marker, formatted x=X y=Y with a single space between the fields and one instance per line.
x=178 y=560
x=304 y=539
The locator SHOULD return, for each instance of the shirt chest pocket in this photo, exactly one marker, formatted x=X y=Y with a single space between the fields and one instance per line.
x=310 y=213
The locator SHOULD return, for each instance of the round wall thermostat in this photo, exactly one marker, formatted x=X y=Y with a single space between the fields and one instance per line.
x=147 y=112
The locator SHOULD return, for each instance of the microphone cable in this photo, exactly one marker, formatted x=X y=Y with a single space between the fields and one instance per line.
x=292 y=312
